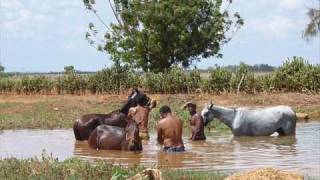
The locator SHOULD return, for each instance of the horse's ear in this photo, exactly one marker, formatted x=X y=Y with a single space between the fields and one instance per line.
x=211 y=105
x=136 y=90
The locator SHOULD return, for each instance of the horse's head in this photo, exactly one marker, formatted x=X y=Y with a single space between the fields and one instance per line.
x=207 y=114
x=133 y=141
x=136 y=97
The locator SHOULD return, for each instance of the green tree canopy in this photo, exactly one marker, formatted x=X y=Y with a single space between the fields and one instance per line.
x=154 y=35
x=69 y=70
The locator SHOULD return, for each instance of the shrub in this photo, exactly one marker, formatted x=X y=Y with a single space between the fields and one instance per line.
x=219 y=80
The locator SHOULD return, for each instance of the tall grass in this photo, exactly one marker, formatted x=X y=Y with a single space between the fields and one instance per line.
x=50 y=168
x=295 y=75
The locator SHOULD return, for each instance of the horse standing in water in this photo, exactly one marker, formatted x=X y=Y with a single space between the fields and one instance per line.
x=253 y=122
x=116 y=138
x=83 y=127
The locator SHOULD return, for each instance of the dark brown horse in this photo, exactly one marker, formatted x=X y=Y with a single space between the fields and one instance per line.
x=116 y=138
x=83 y=127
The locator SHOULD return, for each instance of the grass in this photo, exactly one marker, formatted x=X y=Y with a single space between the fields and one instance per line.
x=51 y=112
x=50 y=168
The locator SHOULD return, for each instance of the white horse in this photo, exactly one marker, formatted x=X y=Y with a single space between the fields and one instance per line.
x=253 y=122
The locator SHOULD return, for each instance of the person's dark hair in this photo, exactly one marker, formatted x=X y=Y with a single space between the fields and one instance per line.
x=165 y=109
x=192 y=105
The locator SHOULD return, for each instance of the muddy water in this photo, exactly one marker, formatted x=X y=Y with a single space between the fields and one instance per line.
x=219 y=152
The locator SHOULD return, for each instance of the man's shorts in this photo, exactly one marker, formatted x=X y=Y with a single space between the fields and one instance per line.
x=173 y=149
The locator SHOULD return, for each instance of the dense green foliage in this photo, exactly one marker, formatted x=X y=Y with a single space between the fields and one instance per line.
x=50 y=168
x=154 y=35
x=295 y=75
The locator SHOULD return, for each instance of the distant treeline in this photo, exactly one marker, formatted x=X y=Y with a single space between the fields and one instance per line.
x=295 y=75
x=233 y=68
x=253 y=68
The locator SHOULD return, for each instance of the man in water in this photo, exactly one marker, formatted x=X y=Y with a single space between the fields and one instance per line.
x=140 y=114
x=169 y=131
x=196 y=122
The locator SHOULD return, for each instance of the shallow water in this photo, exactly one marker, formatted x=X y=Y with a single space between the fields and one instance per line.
x=220 y=152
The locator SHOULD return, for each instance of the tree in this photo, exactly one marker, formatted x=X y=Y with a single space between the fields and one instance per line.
x=313 y=28
x=1 y=68
x=69 y=70
x=154 y=35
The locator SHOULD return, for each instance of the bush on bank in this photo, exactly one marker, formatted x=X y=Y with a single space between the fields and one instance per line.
x=295 y=75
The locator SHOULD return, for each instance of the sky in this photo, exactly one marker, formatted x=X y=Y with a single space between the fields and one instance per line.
x=47 y=35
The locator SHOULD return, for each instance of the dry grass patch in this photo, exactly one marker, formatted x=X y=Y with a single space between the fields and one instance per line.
x=265 y=174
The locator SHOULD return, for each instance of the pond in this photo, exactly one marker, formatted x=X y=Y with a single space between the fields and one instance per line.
x=221 y=152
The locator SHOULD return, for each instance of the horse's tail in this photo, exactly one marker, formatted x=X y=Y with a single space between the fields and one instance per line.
x=93 y=139
x=76 y=130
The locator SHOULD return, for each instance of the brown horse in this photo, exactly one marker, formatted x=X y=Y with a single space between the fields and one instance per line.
x=116 y=138
x=83 y=127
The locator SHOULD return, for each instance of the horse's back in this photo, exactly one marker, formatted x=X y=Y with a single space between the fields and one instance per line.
x=107 y=130
x=263 y=121
x=108 y=137
x=274 y=112
x=87 y=117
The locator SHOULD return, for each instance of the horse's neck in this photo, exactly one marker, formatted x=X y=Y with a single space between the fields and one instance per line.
x=125 y=108
x=226 y=115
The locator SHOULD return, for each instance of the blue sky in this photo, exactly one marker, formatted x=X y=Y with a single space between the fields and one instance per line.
x=46 y=35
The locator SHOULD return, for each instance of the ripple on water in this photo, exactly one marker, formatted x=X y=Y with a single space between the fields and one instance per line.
x=219 y=152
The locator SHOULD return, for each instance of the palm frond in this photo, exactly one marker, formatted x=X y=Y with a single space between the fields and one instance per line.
x=313 y=28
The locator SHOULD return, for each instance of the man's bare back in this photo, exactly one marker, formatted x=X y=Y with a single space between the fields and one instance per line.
x=170 y=132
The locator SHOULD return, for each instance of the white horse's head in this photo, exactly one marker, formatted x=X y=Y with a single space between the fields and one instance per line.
x=207 y=114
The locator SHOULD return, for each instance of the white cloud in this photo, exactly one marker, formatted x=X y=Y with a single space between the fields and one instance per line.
x=19 y=17
x=290 y=4
x=273 y=27
x=11 y=4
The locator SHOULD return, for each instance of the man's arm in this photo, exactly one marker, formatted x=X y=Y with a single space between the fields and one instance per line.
x=197 y=126
x=159 y=131
x=192 y=128
x=131 y=113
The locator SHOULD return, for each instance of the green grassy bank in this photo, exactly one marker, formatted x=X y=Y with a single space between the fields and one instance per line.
x=51 y=112
x=71 y=169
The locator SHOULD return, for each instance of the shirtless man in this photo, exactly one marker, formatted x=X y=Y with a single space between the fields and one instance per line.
x=170 y=131
x=140 y=114
x=196 y=122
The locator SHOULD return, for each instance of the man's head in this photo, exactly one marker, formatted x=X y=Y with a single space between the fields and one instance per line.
x=191 y=107
x=164 y=111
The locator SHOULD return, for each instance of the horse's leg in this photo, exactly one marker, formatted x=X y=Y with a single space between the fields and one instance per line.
x=76 y=132
x=281 y=132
